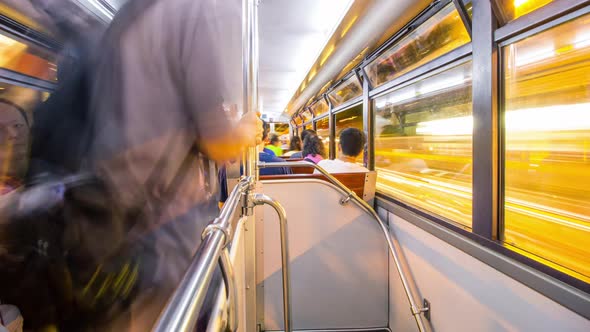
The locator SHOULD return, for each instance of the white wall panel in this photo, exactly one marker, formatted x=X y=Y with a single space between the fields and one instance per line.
x=468 y=295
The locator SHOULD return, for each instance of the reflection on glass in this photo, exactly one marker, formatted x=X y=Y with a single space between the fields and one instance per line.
x=282 y=128
x=306 y=114
x=298 y=120
x=511 y=9
x=345 y=91
x=440 y=34
x=423 y=139
x=322 y=127
x=320 y=107
x=27 y=59
x=25 y=12
x=16 y=118
x=547 y=163
x=350 y=118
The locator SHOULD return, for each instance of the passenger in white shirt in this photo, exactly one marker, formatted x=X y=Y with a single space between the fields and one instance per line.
x=350 y=147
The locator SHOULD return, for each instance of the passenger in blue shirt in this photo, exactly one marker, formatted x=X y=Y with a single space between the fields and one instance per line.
x=263 y=156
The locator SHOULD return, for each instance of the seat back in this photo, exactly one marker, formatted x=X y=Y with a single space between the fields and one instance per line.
x=363 y=184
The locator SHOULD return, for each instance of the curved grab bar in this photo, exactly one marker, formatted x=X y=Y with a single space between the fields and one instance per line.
x=260 y=199
x=410 y=288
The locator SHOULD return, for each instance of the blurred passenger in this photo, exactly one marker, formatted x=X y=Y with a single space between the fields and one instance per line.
x=294 y=146
x=14 y=146
x=15 y=110
x=299 y=155
x=275 y=145
x=160 y=78
x=350 y=147
x=313 y=149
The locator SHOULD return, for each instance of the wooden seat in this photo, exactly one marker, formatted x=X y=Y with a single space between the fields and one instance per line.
x=363 y=184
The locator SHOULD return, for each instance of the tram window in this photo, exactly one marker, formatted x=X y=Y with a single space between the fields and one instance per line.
x=306 y=115
x=512 y=9
x=345 y=91
x=423 y=142
x=322 y=127
x=440 y=34
x=282 y=128
x=320 y=107
x=298 y=121
x=547 y=147
x=350 y=118
x=27 y=59
x=16 y=118
x=25 y=13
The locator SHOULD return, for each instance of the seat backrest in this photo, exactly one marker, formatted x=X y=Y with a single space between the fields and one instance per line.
x=363 y=184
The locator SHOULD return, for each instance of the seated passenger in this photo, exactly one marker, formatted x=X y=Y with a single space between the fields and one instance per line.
x=313 y=149
x=263 y=156
x=350 y=147
x=299 y=155
x=274 y=145
x=266 y=157
x=294 y=146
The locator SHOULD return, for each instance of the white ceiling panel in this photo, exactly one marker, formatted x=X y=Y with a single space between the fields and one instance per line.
x=292 y=34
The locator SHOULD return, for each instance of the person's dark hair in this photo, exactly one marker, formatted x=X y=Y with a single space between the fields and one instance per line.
x=352 y=142
x=313 y=145
x=307 y=132
x=295 y=144
x=274 y=138
x=265 y=130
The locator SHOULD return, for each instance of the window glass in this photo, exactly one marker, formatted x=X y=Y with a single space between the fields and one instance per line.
x=282 y=128
x=298 y=120
x=306 y=114
x=423 y=139
x=350 y=118
x=27 y=59
x=440 y=34
x=345 y=91
x=16 y=118
x=25 y=13
x=322 y=127
x=320 y=107
x=547 y=147
x=511 y=9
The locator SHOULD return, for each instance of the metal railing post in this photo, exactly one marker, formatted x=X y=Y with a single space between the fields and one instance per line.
x=260 y=199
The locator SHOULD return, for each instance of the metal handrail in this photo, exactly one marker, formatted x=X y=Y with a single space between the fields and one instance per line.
x=182 y=310
x=408 y=283
x=260 y=199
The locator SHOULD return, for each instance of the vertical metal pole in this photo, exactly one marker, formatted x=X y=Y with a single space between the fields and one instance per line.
x=369 y=126
x=250 y=81
x=332 y=125
x=250 y=67
x=485 y=121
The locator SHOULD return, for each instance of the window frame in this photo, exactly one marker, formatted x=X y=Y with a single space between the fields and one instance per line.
x=483 y=243
x=24 y=34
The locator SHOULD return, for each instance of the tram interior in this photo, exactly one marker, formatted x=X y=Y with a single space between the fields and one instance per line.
x=419 y=249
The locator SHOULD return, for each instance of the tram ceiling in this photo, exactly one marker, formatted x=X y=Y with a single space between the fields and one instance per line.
x=292 y=33
x=366 y=26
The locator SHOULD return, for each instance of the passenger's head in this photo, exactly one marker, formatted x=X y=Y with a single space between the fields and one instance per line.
x=14 y=139
x=307 y=132
x=295 y=144
x=265 y=130
x=352 y=142
x=274 y=139
x=313 y=145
